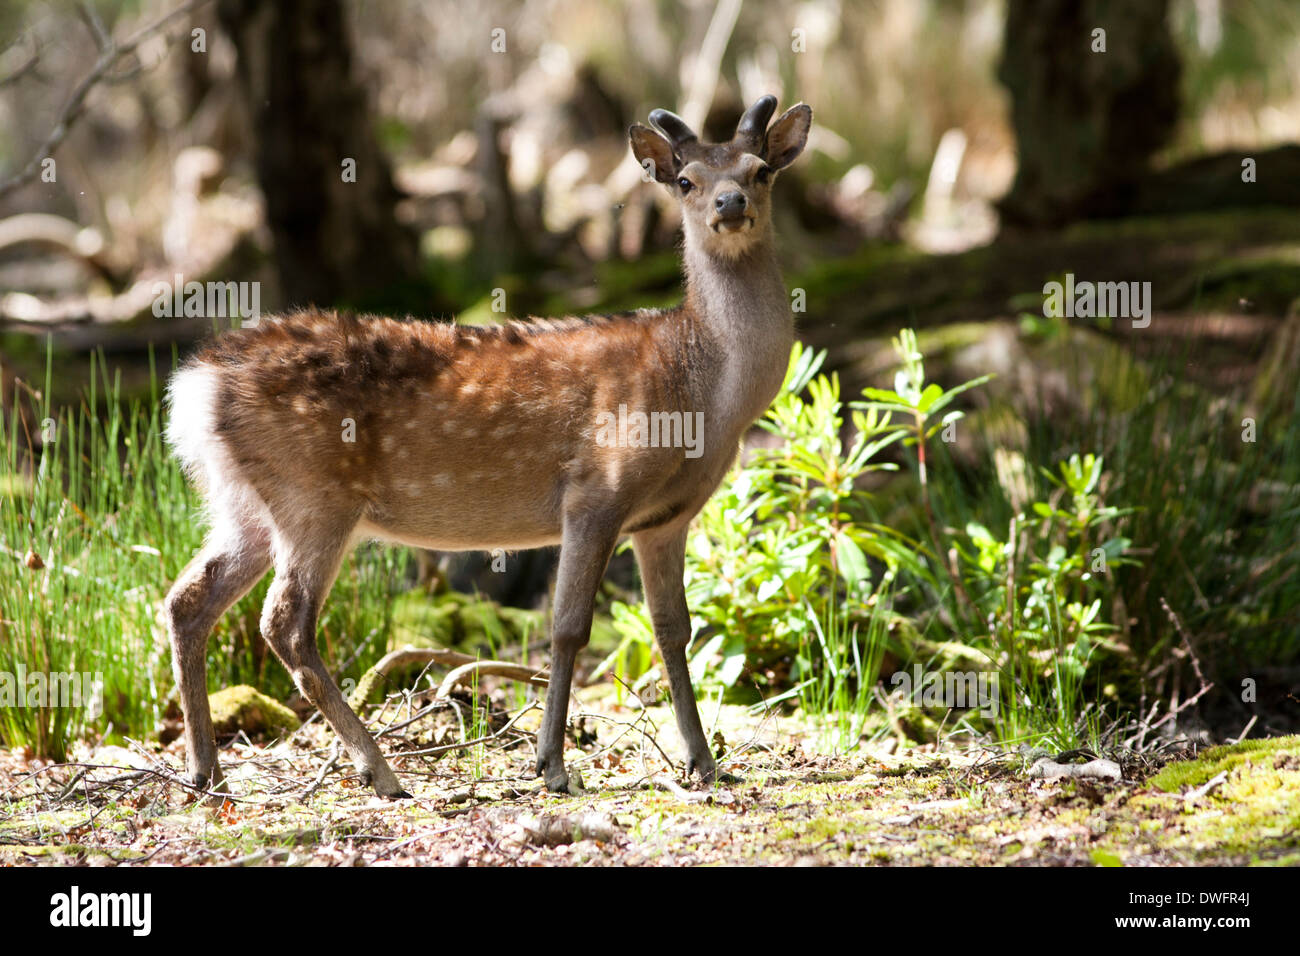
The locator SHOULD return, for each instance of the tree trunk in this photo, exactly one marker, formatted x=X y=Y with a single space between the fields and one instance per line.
x=336 y=241
x=1087 y=122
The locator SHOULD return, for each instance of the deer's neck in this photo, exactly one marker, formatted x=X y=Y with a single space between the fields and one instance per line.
x=742 y=306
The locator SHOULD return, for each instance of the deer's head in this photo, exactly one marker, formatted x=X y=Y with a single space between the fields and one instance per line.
x=724 y=188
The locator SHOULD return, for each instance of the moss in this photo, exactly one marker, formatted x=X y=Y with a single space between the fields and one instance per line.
x=244 y=708
x=14 y=855
x=460 y=620
x=1253 y=817
x=1231 y=225
x=1267 y=284
x=1194 y=773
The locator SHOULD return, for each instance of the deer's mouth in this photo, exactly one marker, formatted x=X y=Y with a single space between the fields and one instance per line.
x=732 y=225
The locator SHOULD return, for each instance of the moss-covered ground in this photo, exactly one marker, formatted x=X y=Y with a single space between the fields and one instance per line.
x=293 y=803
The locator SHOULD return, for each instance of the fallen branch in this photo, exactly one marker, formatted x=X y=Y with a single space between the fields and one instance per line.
x=1098 y=769
x=563 y=829
x=260 y=857
x=463 y=667
x=1212 y=784
x=467 y=673
x=666 y=783
x=404 y=657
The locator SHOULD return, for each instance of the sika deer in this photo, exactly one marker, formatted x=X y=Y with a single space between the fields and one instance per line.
x=313 y=431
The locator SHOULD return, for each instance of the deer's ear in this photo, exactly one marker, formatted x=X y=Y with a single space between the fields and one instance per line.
x=788 y=136
x=653 y=153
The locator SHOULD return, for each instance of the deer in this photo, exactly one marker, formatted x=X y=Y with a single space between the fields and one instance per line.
x=310 y=432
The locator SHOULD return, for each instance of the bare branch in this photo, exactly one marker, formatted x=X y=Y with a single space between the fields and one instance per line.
x=467 y=673
x=31 y=36
x=109 y=55
x=19 y=72
x=90 y=16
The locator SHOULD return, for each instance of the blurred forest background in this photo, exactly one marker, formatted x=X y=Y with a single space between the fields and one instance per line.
x=964 y=153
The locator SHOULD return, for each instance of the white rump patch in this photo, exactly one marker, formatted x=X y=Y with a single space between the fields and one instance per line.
x=236 y=511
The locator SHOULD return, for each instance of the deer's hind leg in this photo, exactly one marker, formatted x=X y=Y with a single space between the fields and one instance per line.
x=306 y=564
x=231 y=562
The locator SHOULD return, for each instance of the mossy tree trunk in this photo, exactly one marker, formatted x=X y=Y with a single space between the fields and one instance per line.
x=1089 y=109
x=336 y=236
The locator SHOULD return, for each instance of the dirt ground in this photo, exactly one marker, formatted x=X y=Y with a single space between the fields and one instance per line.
x=294 y=803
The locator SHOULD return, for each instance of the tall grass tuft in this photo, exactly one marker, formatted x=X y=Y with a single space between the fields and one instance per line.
x=96 y=521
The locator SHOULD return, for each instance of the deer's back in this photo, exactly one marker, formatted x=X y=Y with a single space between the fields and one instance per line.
x=451 y=436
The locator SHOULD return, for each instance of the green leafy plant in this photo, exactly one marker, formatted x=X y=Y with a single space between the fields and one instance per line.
x=1044 y=591
x=789 y=580
x=1036 y=602
x=793 y=580
x=786 y=548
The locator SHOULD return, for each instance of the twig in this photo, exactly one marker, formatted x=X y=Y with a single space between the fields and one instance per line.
x=418 y=715
x=1212 y=784
x=72 y=110
x=90 y=16
x=1246 y=730
x=466 y=672
x=70 y=786
x=642 y=717
x=446 y=748
x=1178 y=626
x=335 y=752
x=166 y=774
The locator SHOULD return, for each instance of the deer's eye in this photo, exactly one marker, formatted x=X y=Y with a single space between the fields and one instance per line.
x=763 y=175
x=685 y=185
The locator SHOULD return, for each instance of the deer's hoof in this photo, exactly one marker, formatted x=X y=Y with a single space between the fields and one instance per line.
x=209 y=783
x=708 y=771
x=703 y=766
x=385 y=784
x=558 y=779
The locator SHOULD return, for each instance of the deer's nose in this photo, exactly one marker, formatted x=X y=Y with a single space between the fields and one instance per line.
x=730 y=204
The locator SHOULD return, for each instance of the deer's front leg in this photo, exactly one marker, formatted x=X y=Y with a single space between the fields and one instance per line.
x=585 y=548
x=661 y=555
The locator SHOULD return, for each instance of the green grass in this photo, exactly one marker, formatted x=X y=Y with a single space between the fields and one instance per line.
x=1214 y=521
x=105 y=509
x=96 y=521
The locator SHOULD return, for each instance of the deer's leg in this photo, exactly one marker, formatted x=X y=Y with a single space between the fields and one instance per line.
x=303 y=577
x=661 y=555
x=222 y=573
x=587 y=543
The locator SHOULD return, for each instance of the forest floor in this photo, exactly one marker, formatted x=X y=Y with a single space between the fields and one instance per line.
x=294 y=803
